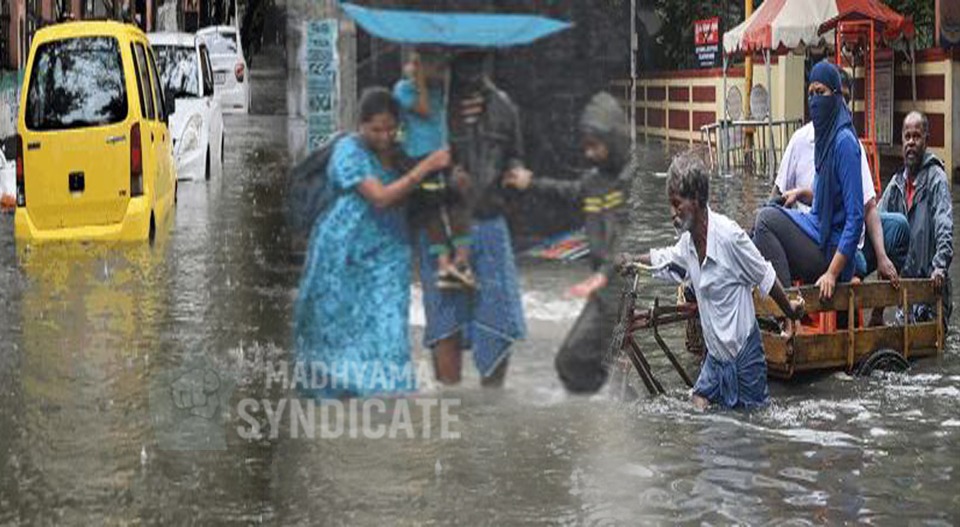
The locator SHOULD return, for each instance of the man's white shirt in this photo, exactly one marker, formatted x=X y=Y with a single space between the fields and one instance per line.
x=724 y=284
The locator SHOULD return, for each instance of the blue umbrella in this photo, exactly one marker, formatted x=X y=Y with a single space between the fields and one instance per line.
x=453 y=29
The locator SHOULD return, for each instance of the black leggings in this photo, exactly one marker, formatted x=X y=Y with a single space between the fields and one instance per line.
x=793 y=254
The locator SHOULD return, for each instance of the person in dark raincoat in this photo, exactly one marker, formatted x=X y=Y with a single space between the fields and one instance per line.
x=603 y=194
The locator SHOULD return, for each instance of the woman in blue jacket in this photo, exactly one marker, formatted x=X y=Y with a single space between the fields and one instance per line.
x=819 y=246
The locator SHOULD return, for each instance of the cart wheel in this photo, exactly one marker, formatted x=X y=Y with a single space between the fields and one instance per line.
x=883 y=360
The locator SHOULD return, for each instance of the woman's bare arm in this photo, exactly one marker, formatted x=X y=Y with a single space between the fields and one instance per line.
x=383 y=196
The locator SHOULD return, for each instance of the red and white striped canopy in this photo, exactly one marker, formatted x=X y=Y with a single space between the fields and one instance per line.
x=790 y=23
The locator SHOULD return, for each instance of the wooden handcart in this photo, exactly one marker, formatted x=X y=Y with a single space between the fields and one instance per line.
x=855 y=348
x=821 y=346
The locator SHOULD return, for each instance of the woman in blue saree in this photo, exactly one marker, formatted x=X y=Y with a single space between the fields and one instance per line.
x=351 y=313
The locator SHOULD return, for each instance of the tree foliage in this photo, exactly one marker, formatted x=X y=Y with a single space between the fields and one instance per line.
x=672 y=47
x=923 y=15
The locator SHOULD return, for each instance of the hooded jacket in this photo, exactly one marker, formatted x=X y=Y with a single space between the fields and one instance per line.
x=487 y=147
x=930 y=219
x=603 y=191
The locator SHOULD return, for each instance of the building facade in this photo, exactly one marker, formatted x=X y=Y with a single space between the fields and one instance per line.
x=20 y=19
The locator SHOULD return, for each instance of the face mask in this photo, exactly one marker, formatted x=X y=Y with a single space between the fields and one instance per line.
x=821 y=108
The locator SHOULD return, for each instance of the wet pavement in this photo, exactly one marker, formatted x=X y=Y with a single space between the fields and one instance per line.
x=92 y=337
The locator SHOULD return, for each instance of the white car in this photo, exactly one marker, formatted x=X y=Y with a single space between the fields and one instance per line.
x=196 y=124
x=230 y=75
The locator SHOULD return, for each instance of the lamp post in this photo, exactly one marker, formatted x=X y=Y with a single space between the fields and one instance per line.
x=748 y=64
x=633 y=72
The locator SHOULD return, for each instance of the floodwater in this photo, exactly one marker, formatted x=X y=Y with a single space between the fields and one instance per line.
x=89 y=336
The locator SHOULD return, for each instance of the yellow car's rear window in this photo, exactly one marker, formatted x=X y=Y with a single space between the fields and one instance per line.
x=76 y=83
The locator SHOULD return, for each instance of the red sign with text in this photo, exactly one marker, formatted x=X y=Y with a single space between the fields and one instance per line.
x=707 y=31
x=706 y=35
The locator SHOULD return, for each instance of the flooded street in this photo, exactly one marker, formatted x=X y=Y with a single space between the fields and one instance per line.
x=92 y=337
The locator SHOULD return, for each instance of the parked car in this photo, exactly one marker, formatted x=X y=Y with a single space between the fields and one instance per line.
x=197 y=121
x=230 y=76
x=94 y=154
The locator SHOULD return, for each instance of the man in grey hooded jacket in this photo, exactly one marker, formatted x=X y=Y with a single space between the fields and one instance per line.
x=921 y=192
x=602 y=193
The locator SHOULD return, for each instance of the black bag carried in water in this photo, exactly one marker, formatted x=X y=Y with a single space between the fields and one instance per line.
x=308 y=194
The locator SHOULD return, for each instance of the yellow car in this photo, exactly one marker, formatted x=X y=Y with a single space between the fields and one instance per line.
x=94 y=154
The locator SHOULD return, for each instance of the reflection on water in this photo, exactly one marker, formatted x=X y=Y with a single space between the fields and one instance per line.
x=87 y=332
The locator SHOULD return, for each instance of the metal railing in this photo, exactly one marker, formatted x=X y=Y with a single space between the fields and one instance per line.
x=749 y=146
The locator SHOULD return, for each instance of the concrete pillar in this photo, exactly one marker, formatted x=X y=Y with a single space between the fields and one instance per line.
x=13 y=40
x=348 y=74
x=20 y=41
x=300 y=13
x=789 y=95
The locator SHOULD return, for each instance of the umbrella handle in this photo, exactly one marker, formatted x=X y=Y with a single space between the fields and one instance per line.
x=445 y=118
